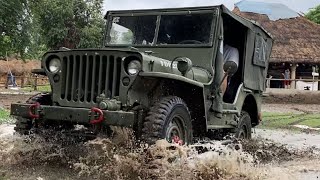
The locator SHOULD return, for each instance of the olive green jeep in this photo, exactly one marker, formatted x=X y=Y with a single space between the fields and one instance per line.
x=159 y=72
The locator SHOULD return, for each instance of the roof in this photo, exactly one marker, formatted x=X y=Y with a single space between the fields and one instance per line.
x=296 y=40
x=18 y=67
x=274 y=11
x=245 y=22
x=155 y=11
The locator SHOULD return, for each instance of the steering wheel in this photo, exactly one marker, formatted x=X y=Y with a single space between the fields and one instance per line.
x=190 y=42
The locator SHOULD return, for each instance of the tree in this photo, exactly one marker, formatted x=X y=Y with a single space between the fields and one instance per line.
x=71 y=24
x=28 y=28
x=92 y=24
x=14 y=27
x=314 y=15
x=5 y=45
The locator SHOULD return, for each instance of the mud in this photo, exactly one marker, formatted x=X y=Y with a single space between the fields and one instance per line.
x=119 y=157
x=291 y=96
x=291 y=108
x=273 y=154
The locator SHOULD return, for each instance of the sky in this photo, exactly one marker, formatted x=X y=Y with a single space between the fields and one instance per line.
x=296 y=5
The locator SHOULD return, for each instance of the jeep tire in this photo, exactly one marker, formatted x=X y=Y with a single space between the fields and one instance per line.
x=244 y=129
x=168 y=119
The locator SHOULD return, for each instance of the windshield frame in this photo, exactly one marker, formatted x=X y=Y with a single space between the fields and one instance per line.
x=158 y=22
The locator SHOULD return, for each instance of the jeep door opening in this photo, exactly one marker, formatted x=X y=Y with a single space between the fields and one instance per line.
x=159 y=72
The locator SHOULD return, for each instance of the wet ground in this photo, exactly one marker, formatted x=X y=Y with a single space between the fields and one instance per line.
x=272 y=154
x=292 y=108
x=290 y=139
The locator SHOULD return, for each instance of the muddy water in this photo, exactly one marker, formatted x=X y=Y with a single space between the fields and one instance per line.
x=33 y=157
x=291 y=139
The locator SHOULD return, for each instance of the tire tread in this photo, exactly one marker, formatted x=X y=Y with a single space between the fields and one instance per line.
x=156 y=118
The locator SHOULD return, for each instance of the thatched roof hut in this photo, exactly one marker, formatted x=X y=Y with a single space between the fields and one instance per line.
x=297 y=40
x=18 y=67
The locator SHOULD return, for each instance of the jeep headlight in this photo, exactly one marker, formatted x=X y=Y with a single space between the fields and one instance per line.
x=134 y=67
x=54 y=65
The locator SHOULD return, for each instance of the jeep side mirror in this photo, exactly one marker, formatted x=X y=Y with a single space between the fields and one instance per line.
x=230 y=68
x=184 y=64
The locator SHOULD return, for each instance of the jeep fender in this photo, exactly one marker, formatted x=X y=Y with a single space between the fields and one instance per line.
x=171 y=76
x=150 y=87
x=248 y=101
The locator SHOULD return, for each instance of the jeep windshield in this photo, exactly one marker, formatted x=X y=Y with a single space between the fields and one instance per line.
x=153 y=30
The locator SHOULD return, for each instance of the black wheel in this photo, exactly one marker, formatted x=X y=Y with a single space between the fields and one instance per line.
x=244 y=128
x=168 y=119
x=24 y=125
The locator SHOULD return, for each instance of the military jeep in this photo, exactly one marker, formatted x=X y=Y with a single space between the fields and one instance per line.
x=160 y=73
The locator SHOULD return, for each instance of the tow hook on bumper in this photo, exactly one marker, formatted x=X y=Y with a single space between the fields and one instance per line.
x=34 y=111
x=75 y=115
x=97 y=114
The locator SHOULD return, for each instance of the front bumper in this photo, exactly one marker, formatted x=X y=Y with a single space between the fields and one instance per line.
x=74 y=115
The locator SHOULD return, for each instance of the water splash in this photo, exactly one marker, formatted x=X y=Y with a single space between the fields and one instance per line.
x=120 y=157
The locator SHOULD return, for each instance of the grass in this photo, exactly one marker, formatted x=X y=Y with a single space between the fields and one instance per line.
x=3 y=177
x=46 y=88
x=4 y=115
x=287 y=120
x=314 y=123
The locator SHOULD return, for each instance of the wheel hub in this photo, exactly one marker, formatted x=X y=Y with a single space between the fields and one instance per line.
x=175 y=133
x=177 y=140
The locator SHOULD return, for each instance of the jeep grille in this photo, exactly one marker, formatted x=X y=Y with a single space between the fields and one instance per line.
x=84 y=77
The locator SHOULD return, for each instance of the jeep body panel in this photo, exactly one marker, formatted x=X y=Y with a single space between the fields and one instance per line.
x=99 y=77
